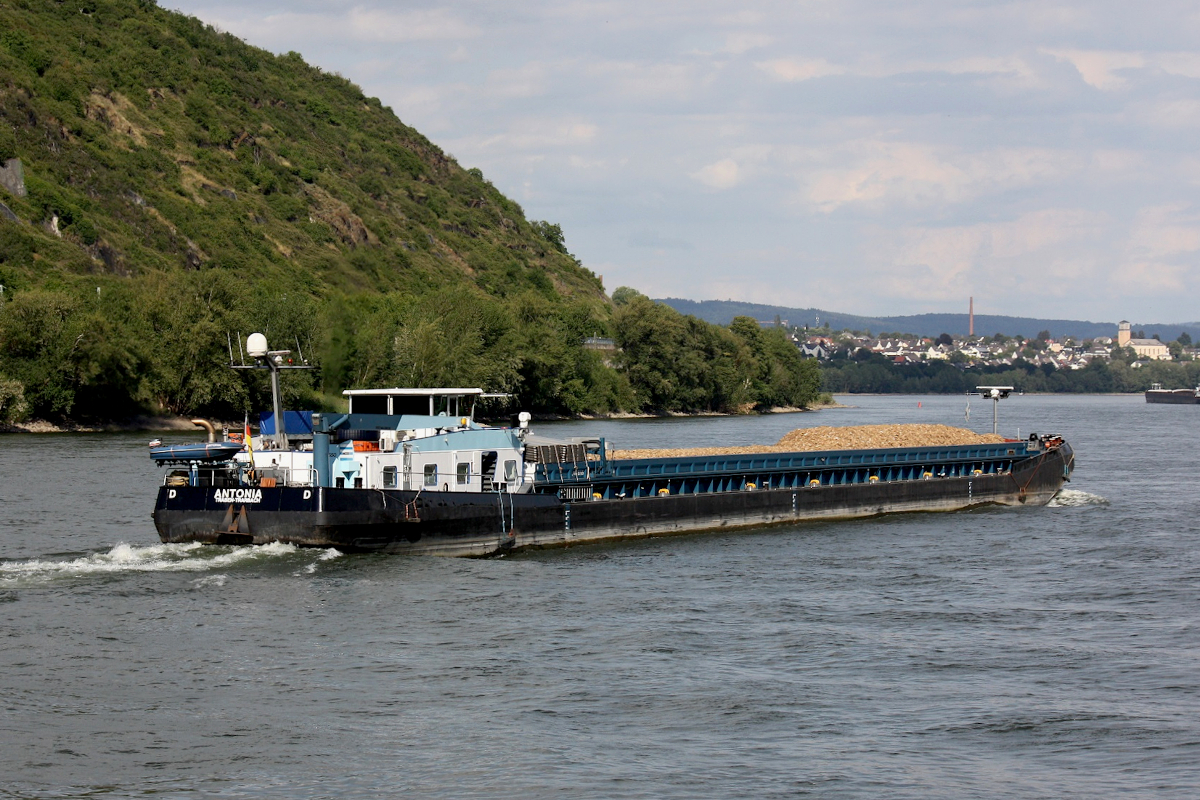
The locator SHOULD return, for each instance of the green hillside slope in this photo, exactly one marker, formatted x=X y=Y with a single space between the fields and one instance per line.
x=167 y=185
x=159 y=143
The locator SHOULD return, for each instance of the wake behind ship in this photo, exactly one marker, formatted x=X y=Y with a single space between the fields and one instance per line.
x=411 y=471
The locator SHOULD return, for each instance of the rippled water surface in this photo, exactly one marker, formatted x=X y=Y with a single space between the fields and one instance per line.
x=1006 y=653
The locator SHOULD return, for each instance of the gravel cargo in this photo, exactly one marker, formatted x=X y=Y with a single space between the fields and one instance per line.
x=858 y=437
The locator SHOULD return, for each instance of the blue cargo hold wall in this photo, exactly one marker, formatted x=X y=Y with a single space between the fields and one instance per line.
x=298 y=423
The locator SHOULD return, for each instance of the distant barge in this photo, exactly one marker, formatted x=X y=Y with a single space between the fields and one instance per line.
x=1179 y=397
x=410 y=471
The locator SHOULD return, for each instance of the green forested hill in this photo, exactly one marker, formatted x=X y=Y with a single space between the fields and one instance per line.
x=180 y=186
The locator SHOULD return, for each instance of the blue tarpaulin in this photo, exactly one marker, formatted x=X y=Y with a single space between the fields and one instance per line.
x=294 y=422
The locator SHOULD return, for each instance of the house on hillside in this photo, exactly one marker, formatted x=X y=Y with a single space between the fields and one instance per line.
x=607 y=348
x=816 y=349
x=599 y=343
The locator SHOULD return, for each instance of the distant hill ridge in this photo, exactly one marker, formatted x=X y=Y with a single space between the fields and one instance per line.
x=722 y=312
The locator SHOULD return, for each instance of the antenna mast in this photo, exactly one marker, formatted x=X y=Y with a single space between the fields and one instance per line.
x=996 y=393
x=273 y=360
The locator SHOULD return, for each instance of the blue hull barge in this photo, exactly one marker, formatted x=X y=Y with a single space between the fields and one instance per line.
x=410 y=471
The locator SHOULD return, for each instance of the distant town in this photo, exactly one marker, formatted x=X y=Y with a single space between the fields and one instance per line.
x=998 y=350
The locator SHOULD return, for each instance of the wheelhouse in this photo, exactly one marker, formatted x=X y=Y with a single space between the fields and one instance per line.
x=417 y=402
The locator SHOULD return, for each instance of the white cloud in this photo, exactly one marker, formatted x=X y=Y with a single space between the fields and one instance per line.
x=796 y=70
x=361 y=24
x=1152 y=279
x=799 y=69
x=1040 y=251
x=1185 y=64
x=723 y=174
x=630 y=81
x=531 y=134
x=1175 y=113
x=658 y=241
x=883 y=174
x=1162 y=231
x=527 y=80
x=1097 y=67
x=738 y=43
x=388 y=25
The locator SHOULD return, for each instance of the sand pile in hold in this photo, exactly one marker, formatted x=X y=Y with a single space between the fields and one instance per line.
x=858 y=437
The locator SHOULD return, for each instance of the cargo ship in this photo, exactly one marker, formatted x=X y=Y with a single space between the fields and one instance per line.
x=1181 y=397
x=411 y=471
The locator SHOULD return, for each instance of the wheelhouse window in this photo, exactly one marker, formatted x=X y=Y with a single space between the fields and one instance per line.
x=510 y=470
x=410 y=405
x=368 y=404
x=389 y=477
x=463 y=474
x=431 y=474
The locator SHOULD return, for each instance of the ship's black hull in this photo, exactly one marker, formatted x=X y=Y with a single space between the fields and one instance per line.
x=481 y=524
x=1177 y=397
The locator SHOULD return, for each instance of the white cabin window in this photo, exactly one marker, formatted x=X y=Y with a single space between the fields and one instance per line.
x=389 y=477
x=431 y=474
x=510 y=470
x=464 y=473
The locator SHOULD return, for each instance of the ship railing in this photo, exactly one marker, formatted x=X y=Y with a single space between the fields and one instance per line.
x=734 y=464
x=795 y=480
x=563 y=472
x=195 y=475
x=285 y=476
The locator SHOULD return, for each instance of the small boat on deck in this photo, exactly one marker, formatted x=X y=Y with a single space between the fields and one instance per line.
x=202 y=452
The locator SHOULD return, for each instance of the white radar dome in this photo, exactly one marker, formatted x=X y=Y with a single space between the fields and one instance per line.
x=256 y=345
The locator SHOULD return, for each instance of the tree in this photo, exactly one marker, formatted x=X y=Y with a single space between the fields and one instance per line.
x=552 y=232
x=945 y=339
x=1044 y=336
x=13 y=407
x=67 y=358
x=623 y=295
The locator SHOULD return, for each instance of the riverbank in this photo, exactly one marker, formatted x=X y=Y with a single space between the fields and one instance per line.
x=749 y=412
x=141 y=423
x=152 y=424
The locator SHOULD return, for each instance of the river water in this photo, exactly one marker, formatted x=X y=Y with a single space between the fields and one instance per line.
x=1006 y=653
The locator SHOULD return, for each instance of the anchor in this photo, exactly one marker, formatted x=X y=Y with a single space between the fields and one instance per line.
x=235 y=528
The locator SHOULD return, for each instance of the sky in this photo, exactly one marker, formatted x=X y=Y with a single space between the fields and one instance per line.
x=863 y=156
